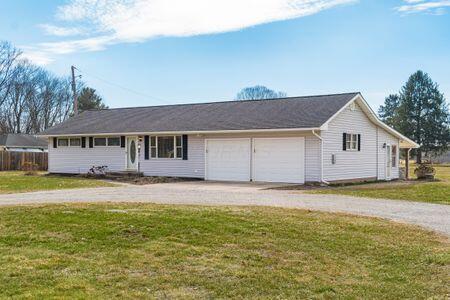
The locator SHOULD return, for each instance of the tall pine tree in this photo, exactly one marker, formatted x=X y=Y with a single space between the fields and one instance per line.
x=421 y=113
x=389 y=111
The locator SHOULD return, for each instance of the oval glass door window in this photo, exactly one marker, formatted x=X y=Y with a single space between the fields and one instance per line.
x=132 y=151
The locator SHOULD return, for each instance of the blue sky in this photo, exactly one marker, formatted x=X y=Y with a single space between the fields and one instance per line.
x=180 y=51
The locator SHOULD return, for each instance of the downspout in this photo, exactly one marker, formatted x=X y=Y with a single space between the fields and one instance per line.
x=321 y=157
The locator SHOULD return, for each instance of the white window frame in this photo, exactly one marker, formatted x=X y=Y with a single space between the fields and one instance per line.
x=112 y=137
x=394 y=156
x=351 y=142
x=175 y=147
x=74 y=146
x=68 y=142
x=100 y=146
x=107 y=142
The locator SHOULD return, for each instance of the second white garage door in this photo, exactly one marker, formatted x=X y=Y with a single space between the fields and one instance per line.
x=279 y=159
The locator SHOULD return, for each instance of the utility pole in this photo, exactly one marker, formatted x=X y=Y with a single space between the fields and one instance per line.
x=74 y=89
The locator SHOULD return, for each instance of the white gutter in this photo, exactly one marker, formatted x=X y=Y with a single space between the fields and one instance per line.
x=321 y=157
x=183 y=132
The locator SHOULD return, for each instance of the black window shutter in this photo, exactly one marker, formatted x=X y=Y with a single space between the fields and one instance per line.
x=91 y=142
x=344 y=142
x=122 y=141
x=55 y=142
x=83 y=142
x=146 y=146
x=359 y=142
x=185 y=146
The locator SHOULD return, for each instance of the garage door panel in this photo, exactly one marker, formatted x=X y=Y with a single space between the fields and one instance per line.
x=279 y=160
x=228 y=159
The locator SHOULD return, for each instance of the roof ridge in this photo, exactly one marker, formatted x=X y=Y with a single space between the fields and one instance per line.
x=226 y=101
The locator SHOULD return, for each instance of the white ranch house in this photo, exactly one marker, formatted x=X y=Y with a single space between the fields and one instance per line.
x=327 y=138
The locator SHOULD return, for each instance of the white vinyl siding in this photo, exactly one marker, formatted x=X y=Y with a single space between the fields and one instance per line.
x=193 y=167
x=350 y=164
x=77 y=160
x=312 y=159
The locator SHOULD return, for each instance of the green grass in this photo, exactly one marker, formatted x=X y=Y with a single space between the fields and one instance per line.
x=18 y=182
x=152 y=251
x=432 y=192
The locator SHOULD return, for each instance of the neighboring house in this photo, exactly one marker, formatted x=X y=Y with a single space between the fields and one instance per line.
x=17 y=142
x=300 y=139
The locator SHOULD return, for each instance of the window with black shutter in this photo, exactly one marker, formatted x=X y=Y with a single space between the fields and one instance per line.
x=359 y=142
x=185 y=146
x=344 y=141
x=146 y=147
x=351 y=142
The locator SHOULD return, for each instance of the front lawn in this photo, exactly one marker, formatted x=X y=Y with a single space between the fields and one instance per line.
x=433 y=192
x=153 y=251
x=18 y=182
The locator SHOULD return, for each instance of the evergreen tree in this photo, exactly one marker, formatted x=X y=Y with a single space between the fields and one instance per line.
x=421 y=113
x=389 y=111
x=89 y=99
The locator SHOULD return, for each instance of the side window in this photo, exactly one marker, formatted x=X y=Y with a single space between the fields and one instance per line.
x=63 y=142
x=351 y=141
x=99 y=142
x=114 y=141
x=394 y=156
x=75 y=142
x=153 y=146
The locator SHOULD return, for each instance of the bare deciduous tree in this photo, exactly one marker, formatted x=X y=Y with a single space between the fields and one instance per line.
x=258 y=92
x=8 y=55
x=31 y=98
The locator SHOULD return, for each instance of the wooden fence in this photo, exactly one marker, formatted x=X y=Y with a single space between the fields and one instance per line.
x=14 y=161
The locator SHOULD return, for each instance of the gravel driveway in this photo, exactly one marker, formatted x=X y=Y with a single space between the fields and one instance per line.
x=432 y=216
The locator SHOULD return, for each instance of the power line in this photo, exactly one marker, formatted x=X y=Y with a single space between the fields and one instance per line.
x=123 y=87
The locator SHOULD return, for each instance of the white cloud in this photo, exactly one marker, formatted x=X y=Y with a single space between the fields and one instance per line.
x=38 y=57
x=424 y=6
x=61 y=31
x=125 y=21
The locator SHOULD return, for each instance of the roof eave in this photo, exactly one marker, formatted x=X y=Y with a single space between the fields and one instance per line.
x=184 y=132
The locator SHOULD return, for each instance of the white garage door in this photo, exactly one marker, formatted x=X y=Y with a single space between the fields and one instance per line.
x=228 y=159
x=279 y=160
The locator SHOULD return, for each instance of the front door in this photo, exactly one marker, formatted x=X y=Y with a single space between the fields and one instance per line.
x=388 y=162
x=132 y=153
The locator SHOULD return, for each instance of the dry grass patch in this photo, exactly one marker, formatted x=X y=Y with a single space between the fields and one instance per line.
x=422 y=191
x=19 y=182
x=143 y=250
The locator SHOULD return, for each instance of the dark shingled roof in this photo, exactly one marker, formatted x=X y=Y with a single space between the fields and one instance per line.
x=22 y=140
x=284 y=113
